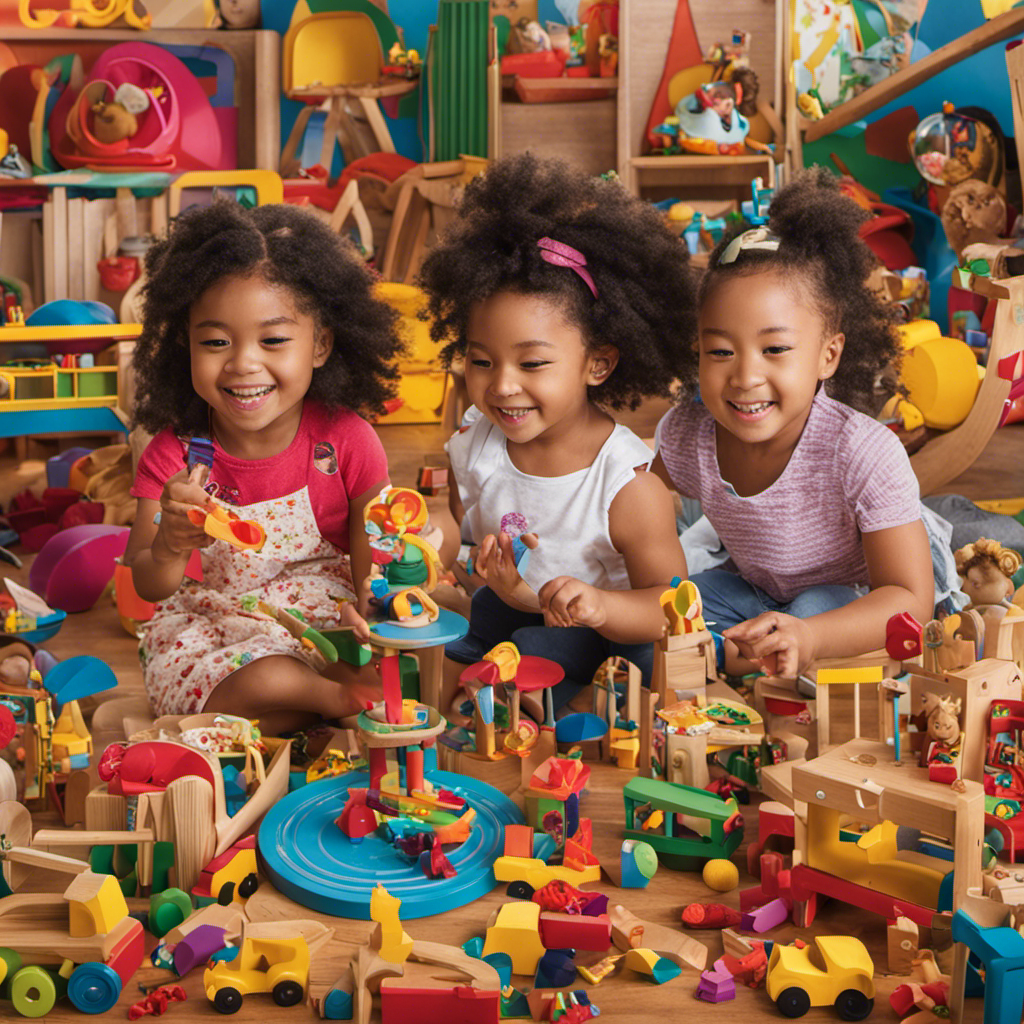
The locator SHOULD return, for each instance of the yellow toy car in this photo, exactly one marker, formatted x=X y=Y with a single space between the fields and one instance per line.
x=277 y=966
x=836 y=970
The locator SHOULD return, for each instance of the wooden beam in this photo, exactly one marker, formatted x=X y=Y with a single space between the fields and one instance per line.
x=994 y=31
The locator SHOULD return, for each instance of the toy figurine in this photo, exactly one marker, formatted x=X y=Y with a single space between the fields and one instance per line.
x=236 y=14
x=988 y=569
x=714 y=119
x=941 y=753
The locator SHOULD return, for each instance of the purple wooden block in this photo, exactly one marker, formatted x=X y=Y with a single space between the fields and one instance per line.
x=771 y=915
x=197 y=947
x=716 y=987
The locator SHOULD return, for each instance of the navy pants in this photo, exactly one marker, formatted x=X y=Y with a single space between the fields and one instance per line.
x=578 y=649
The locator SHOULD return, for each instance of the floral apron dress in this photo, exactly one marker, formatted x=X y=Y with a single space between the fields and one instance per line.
x=201 y=633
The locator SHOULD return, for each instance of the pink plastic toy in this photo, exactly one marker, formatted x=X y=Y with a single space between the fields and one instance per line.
x=178 y=130
x=74 y=566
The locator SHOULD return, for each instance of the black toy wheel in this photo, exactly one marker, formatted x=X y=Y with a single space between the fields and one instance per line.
x=793 y=1002
x=226 y=896
x=227 y=1000
x=854 y=1005
x=248 y=886
x=519 y=890
x=287 y=993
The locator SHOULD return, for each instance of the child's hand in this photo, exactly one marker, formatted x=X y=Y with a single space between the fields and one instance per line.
x=183 y=491
x=350 y=616
x=782 y=645
x=496 y=565
x=566 y=601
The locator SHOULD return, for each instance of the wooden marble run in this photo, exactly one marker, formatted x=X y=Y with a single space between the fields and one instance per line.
x=504 y=744
x=684 y=658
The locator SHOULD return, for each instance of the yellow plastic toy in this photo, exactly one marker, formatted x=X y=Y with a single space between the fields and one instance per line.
x=683 y=609
x=836 y=971
x=218 y=522
x=277 y=966
x=940 y=375
x=85 y=13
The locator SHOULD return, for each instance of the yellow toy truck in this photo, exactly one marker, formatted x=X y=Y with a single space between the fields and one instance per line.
x=277 y=966
x=837 y=970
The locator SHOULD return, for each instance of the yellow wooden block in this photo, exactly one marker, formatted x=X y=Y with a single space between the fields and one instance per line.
x=861 y=674
x=516 y=931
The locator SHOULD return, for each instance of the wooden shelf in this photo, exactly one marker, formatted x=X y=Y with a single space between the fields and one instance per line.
x=711 y=173
x=995 y=31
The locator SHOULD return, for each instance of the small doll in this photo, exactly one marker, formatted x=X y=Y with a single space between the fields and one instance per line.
x=714 y=119
x=941 y=753
x=988 y=568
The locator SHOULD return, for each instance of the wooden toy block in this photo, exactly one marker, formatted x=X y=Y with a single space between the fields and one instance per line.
x=631 y=932
x=903 y=939
x=389 y=939
x=515 y=930
x=538 y=874
x=716 y=987
x=518 y=841
x=575 y=931
x=763 y=919
x=652 y=965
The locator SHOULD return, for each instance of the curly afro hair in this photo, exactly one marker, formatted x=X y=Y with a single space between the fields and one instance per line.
x=288 y=247
x=645 y=303
x=821 y=250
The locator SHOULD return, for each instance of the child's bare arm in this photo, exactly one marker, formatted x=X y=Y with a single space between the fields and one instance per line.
x=642 y=526
x=158 y=553
x=360 y=558
x=901 y=577
x=451 y=528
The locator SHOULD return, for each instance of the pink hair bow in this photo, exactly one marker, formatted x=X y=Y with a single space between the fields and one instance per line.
x=562 y=255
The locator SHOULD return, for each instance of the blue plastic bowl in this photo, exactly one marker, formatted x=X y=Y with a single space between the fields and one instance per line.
x=50 y=627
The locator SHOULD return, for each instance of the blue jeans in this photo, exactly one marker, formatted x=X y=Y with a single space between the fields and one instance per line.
x=729 y=599
x=578 y=649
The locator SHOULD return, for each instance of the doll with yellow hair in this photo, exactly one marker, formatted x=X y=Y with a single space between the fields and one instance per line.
x=988 y=568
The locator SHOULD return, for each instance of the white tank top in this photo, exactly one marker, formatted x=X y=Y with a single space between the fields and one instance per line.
x=568 y=513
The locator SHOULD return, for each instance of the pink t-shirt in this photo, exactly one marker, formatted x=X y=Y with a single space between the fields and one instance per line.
x=336 y=454
x=848 y=475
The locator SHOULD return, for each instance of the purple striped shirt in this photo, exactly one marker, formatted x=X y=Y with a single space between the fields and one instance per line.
x=847 y=475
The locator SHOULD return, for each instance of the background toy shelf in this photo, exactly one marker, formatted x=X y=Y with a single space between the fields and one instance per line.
x=50 y=399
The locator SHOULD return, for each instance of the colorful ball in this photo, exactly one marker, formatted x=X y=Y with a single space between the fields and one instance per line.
x=721 y=875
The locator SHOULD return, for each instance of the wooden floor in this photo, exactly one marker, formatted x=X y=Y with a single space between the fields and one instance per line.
x=998 y=473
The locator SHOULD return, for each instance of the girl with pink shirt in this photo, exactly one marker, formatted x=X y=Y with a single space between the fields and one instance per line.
x=815 y=502
x=262 y=335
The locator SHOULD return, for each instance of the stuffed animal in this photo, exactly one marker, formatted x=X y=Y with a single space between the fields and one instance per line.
x=117 y=119
x=974 y=212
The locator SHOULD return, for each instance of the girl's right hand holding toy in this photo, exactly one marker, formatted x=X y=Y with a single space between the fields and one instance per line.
x=176 y=535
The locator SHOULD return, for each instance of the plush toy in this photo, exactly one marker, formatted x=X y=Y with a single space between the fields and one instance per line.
x=117 y=119
x=974 y=212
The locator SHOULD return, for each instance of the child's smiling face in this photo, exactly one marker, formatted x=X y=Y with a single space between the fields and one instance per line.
x=763 y=350
x=253 y=354
x=527 y=367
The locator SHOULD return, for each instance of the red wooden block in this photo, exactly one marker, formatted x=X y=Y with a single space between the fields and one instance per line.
x=575 y=931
